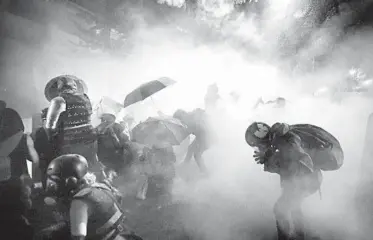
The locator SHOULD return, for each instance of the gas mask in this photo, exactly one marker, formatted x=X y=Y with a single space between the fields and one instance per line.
x=54 y=190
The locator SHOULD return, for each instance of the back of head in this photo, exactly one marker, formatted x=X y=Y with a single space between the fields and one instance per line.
x=68 y=165
x=67 y=83
x=108 y=117
x=66 y=173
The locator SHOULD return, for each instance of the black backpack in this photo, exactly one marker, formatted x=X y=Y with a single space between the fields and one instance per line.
x=324 y=149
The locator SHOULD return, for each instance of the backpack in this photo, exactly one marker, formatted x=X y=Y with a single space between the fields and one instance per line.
x=324 y=149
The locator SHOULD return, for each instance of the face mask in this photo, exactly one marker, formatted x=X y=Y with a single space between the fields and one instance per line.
x=54 y=188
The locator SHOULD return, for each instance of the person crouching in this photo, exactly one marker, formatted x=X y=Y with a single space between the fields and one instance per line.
x=285 y=156
x=94 y=209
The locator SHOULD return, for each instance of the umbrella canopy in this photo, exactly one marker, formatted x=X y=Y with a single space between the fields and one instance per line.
x=146 y=90
x=160 y=131
x=108 y=106
x=51 y=90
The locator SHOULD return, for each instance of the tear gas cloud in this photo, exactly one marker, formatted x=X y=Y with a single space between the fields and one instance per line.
x=238 y=196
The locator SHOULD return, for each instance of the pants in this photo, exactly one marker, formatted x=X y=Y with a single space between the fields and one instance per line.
x=196 y=150
x=287 y=210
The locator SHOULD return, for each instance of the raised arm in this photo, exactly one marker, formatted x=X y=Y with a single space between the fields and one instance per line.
x=57 y=106
x=33 y=154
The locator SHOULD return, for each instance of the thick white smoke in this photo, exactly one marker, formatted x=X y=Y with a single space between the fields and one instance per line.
x=173 y=3
x=236 y=201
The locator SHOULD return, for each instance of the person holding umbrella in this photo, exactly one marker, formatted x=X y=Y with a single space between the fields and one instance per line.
x=127 y=123
x=69 y=117
x=158 y=135
x=111 y=140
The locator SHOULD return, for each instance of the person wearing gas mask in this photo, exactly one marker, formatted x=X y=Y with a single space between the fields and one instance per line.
x=93 y=210
x=69 y=119
x=297 y=153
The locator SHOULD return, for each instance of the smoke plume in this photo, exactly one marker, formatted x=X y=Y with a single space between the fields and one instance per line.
x=272 y=48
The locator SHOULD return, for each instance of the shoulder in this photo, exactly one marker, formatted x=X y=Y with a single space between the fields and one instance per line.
x=77 y=204
x=82 y=193
x=78 y=207
x=85 y=192
x=286 y=140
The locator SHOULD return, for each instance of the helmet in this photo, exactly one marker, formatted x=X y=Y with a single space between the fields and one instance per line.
x=257 y=133
x=180 y=114
x=65 y=174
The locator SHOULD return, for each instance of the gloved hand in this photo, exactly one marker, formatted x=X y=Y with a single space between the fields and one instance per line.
x=259 y=157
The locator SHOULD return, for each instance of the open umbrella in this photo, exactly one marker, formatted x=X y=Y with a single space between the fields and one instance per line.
x=160 y=131
x=108 y=106
x=146 y=90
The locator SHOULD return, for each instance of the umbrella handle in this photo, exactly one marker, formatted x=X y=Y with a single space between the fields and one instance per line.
x=155 y=105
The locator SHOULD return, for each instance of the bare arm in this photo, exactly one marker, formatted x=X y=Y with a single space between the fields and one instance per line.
x=57 y=106
x=78 y=219
x=32 y=151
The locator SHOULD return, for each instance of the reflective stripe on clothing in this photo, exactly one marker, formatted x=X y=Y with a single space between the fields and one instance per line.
x=113 y=220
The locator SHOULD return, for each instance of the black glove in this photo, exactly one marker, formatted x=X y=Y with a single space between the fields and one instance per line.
x=262 y=156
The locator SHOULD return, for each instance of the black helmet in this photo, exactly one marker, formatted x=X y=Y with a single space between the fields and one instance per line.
x=65 y=174
x=257 y=133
